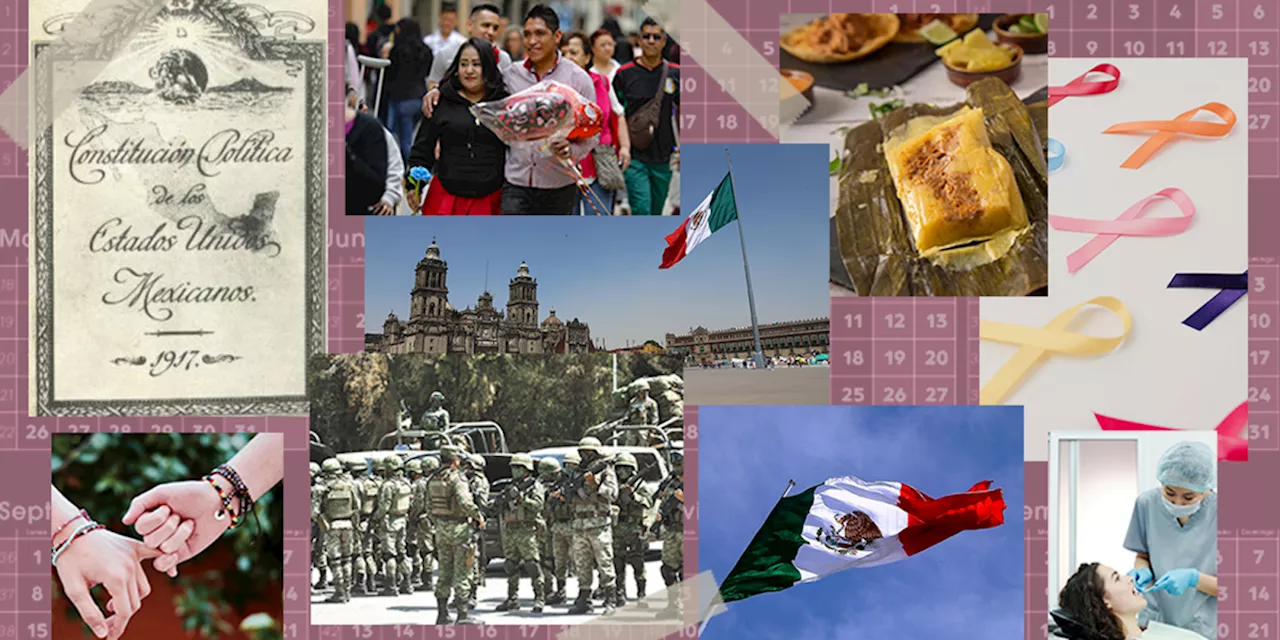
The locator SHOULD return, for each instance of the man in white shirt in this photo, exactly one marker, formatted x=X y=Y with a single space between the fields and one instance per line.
x=447 y=34
x=485 y=23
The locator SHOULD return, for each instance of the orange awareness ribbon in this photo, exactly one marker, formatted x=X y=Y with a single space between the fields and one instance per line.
x=1167 y=129
x=1231 y=446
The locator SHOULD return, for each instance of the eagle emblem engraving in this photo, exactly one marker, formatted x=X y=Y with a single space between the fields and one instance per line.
x=851 y=533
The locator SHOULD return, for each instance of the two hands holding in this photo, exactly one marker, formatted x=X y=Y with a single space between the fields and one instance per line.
x=1174 y=581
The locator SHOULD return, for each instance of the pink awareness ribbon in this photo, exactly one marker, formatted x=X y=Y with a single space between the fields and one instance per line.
x=1129 y=223
x=1079 y=87
x=1231 y=446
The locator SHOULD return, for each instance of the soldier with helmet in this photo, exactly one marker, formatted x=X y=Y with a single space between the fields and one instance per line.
x=420 y=518
x=520 y=510
x=560 y=519
x=338 y=517
x=592 y=526
x=643 y=410
x=629 y=544
x=480 y=493
x=413 y=473
x=391 y=515
x=435 y=418
x=318 y=558
x=367 y=488
x=671 y=515
x=451 y=507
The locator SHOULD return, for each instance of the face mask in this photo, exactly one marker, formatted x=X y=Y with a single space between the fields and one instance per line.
x=518 y=473
x=624 y=474
x=1183 y=511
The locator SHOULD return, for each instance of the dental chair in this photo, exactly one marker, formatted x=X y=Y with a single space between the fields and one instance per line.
x=1064 y=626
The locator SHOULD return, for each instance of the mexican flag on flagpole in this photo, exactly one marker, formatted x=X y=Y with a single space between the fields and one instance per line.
x=849 y=522
x=717 y=210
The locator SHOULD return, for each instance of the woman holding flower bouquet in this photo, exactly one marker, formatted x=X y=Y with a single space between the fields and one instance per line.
x=469 y=171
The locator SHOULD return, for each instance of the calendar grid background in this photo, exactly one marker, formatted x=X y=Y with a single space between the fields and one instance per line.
x=24 y=441
x=1106 y=29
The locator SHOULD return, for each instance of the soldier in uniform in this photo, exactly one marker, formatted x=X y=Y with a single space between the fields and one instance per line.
x=339 y=511
x=560 y=517
x=548 y=471
x=629 y=545
x=480 y=493
x=413 y=469
x=426 y=529
x=391 y=517
x=671 y=515
x=367 y=487
x=435 y=418
x=520 y=508
x=318 y=558
x=451 y=507
x=642 y=411
x=592 y=530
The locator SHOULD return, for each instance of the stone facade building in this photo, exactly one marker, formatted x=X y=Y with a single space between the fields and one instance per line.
x=435 y=326
x=799 y=337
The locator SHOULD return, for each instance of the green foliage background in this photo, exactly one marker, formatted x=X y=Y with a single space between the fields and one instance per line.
x=537 y=399
x=102 y=473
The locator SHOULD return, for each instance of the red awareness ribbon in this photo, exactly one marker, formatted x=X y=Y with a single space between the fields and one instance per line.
x=1231 y=446
x=1167 y=129
x=1079 y=87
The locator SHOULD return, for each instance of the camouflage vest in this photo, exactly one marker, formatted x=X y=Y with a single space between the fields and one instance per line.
x=369 y=493
x=402 y=498
x=593 y=506
x=340 y=501
x=441 y=501
x=560 y=510
x=516 y=512
x=631 y=511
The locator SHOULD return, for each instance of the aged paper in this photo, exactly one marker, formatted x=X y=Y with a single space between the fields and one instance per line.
x=178 y=175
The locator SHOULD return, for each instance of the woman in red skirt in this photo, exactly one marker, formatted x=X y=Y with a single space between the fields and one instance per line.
x=469 y=168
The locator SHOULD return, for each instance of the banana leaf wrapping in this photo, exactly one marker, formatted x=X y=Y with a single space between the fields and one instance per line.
x=874 y=238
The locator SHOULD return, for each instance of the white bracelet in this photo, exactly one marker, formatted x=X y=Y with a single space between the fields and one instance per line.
x=74 y=534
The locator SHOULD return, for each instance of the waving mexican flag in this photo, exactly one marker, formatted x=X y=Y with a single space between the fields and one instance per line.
x=717 y=210
x=849 y=522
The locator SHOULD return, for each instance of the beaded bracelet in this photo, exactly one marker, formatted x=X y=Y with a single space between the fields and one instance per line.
x=226 y=502
x=84 y=514
x=241 y=491
x=81 y=530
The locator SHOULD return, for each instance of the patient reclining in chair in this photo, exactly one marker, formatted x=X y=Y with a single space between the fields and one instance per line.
x=1103 y=604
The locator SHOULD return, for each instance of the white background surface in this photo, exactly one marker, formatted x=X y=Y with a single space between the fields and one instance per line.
x=1166 y=373
x=831 y=109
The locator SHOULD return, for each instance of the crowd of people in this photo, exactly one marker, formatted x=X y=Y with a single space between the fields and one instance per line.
x=413 y=145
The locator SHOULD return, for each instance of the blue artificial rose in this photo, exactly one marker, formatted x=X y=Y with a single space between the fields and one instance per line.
x=419 y=174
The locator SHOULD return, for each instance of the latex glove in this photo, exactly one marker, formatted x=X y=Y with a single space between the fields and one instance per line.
x=1177 y=581
x=1141 y=577
x=195 y=503
x=111 y=560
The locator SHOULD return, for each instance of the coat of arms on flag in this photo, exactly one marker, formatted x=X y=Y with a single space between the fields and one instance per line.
x=852 y=532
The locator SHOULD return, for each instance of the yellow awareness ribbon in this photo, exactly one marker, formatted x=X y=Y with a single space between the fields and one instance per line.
x=1036 y=342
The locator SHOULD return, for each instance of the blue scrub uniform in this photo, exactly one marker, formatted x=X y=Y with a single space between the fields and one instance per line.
x=1156 y=533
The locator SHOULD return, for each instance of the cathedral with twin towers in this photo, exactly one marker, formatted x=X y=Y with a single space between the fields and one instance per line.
x=435 y=326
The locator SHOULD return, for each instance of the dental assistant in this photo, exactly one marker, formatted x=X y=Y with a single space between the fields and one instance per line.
x=1174 y=532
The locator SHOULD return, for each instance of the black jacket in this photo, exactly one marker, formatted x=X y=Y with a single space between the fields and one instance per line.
x=366 y=164
x=407 y=75
x=472 y=158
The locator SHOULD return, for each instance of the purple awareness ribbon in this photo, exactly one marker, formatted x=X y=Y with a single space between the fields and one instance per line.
x=1231 y=287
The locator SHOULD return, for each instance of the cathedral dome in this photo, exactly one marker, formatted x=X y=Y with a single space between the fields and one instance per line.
x=433 y=250
x=552 y=321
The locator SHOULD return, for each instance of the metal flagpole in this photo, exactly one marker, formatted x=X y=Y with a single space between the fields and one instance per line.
x=703 y=627
x=751 y=299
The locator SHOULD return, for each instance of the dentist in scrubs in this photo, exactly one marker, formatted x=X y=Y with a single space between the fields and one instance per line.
x=1174 y=532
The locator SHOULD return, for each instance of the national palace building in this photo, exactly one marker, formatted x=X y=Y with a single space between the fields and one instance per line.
x=798 y=337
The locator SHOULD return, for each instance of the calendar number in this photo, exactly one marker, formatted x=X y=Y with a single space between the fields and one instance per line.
x=38 y=630
x=853 y=358
x=895 y=395
x=1260 y=357
x=1258 y=13
x=1259 y=284
x=896 y=320
x=1092 y=47
x=1052 y=49
x=1259 y=320
x=1222 y=588
x=1217 y=12
x=769 y=48
x=937 y=321
x=1258 y=554
x=725 y=49
x=1093 y=12
x=37 y=594
x=1259 y=630
x=688 y=84
x=729 y=121
x=1260 y=47
x=37 y=433
x=1259 y=395
x=1178 y=48
x=851 y=319
x=1175 y=13
x=935 y=394
x=1049 y=10
x=896 y=357
x=1133 y=12
x=1259 y=85
x=936 y=358
x=1217 y=48
x=1259 y=431
x=404 y=631
x=769 y=85
x=1135 y=48
x=687 y=120
x=854 y=395
x=1259 y=593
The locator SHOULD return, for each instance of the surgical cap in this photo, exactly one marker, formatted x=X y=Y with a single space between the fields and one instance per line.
x=1189 y=465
